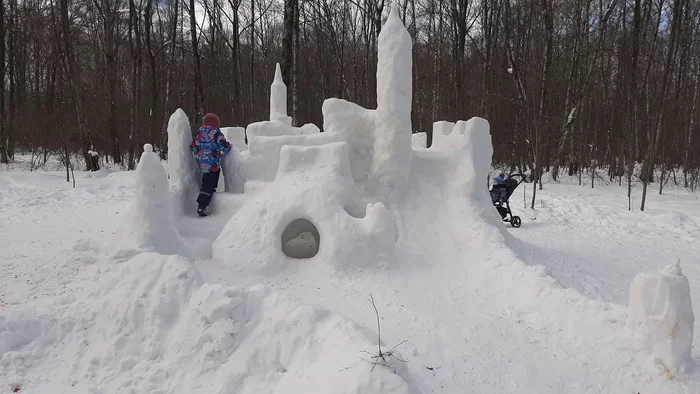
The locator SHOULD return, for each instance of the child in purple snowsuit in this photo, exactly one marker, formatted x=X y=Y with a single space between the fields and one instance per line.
x=208 y=147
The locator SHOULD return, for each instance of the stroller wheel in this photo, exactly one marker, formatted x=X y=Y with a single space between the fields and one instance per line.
x=515 y=221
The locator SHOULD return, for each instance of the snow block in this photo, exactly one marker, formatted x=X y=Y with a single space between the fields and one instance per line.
x=230 y=163
x=149 y=224
x=277 y=128
x=312 y=183
x=185 y=177
x=230 y=168
x=442 y=132
x=356 y=125
x=419 y=140
x=264 y=153
x=236 y=136
x=662 y=319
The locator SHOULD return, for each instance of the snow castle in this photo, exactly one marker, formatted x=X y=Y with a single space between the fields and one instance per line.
x=330 y=192
x=271 y=293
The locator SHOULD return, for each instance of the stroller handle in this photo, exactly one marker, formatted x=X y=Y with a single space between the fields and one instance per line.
x=523 y=177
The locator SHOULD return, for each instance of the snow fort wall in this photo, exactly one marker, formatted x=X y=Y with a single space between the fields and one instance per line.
x=261 y=161
x=276 y=128
x=312 y=183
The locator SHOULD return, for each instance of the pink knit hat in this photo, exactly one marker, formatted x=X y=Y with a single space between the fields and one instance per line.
x=211 y=120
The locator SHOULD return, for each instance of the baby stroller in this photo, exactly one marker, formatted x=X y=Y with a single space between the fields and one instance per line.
x=501 y=204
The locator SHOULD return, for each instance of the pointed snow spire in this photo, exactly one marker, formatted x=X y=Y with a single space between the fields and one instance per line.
x=392 y=144
x=278 y=75
x=278 y=97
x=394 y=78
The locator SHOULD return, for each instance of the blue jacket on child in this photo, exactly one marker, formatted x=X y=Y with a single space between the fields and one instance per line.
x=208 y=147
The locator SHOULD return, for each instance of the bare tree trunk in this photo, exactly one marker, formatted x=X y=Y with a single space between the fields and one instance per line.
x=544 y=95
x=295 y=68
x=287 y=60
x=169 y=79
x=11 y=60
x=236 y=59
x=632 y=138
x=198 y=90
x=3 y=133
x=654 y=143
x=490 y=11
x=691 y=127
x=109 y=13
x=436 y=70
x=73 y=76
x=153 y=106
x=252 y=61
x=135 y=49
x=459 y=23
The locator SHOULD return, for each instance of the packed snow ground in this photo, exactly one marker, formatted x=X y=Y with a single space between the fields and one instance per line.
x=492 y=325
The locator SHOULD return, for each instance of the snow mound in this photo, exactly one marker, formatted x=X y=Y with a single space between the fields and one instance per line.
x=150 y=326
x=149 y=224
x=185 y=178
x=662 y=319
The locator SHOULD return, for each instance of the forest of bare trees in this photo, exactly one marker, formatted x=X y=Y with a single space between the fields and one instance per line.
x=567 y=85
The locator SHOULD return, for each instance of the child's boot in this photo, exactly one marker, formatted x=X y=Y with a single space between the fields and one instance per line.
x=202 y=210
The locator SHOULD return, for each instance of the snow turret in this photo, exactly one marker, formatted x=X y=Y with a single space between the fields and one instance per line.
x=149 y=224
x=392 y=146
x=662 y=319
x=278 y=99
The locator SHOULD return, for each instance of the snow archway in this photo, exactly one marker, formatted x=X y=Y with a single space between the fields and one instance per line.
x=300 y=239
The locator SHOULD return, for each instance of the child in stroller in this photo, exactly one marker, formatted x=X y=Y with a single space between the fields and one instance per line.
x=501 y=191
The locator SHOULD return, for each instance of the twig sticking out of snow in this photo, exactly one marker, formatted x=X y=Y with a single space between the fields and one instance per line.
x=379 y=327
x=381 y=358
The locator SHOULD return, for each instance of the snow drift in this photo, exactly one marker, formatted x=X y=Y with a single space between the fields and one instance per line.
x=151 y=326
